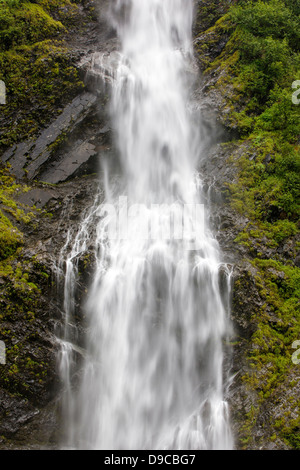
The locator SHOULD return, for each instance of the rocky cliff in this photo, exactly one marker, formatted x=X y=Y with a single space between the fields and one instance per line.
x=55 y=130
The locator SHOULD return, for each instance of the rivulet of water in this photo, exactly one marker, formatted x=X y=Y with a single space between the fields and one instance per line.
x=153 y=367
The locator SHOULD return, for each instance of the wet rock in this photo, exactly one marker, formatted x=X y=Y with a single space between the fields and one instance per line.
x=71 y=164
x=207 y=12
x=297 y=261
x=30 y=387
x=72 y=146
x=37 y=196
x=68 y=149
x=25 y=427
x=29 y=157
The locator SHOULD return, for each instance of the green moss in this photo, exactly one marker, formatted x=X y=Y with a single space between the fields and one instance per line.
x=253 y=75
x=10 y=237
x=20 y=291
x=277 y=326
x=39 y=74
x=257 y=66
x=39 y=78
x=291 y=434
x=21 y=281
x=28 y=22
x=268 y=184
x=209 y=12
x=12 y=212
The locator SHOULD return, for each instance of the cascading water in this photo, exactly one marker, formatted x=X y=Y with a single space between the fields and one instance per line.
x=152 y=376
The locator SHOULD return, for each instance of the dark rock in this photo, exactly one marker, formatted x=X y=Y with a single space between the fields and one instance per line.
x=29 y=157
x=72 y=147
x=71 y=164
x=37 y=196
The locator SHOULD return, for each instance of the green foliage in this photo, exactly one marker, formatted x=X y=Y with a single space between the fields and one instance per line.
x=294 y=6
x=254 y=73
x=264 y=41
x=279 y=319
x=257 y=68
x=270 y=358
x=269 y=39
x=266 y=20
x=281 y=115
x=269 y=184
x=208 y=12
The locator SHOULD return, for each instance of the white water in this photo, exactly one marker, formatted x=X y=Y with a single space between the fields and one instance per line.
x=152 y=376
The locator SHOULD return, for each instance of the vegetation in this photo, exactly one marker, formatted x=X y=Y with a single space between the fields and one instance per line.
x=253 y=53
x=12 y=213
x=254 y=73
x=40 y=76
x=21 y=281
x=38 y=72
x=255 y=49
x=20 y=290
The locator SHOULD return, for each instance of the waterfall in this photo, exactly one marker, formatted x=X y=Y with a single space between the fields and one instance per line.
x=152 y=372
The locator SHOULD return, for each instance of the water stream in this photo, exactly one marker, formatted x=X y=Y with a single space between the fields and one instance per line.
x=152 y=374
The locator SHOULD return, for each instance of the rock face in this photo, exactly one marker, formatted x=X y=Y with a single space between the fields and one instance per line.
x=62 y=166
x=264 y=413
x=30 y=157
x=58 y=154
x=30 y=386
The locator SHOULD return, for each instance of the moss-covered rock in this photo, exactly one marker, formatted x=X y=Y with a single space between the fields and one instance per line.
x=250 y=58
x=40 y=74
